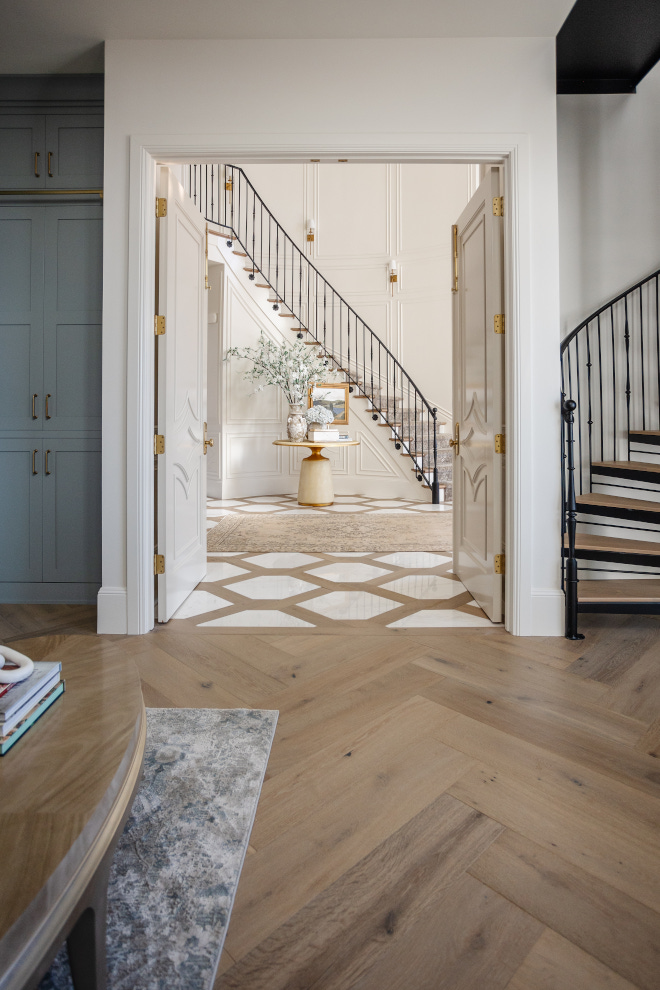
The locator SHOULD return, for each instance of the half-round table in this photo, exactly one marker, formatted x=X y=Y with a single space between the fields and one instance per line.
x=66 y=790
x=315 y=484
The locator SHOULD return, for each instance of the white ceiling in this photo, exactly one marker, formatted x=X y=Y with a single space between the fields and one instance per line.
x=66 y=35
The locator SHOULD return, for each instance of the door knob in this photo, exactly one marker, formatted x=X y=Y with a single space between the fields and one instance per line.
x=456 y=441
x=207 y=443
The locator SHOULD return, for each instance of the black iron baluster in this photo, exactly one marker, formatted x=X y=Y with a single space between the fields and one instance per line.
x=614 y=395
x=579 y=406
x=277 y=260
x=600 y=387
x=641 y=354
x=657 y=347
x=571 y=581
x=626 y=337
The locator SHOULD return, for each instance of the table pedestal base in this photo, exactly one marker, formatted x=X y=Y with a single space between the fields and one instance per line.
x=315 y=485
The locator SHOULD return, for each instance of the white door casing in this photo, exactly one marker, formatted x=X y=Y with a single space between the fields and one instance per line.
x=478 y=399
x=181 y=400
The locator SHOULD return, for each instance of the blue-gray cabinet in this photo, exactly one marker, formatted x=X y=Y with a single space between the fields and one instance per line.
x=50 y=492
x=51 y=151
x=50 y=401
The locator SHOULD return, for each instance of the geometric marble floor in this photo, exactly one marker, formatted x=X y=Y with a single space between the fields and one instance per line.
x=316 y=591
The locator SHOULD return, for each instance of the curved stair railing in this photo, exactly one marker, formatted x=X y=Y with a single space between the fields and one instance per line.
x=299 y=293
x=610 y=367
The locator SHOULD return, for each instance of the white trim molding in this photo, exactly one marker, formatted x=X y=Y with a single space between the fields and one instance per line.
x=509 y=150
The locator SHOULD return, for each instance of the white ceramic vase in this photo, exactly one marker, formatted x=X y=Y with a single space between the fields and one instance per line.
x=296 y=424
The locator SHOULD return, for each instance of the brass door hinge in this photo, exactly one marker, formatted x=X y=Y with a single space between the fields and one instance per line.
x=499 y=563
x=499 y=323
x=161 y=207
x=159 y=563
x=159 y=325
x=454 y=233
x=498 y=206
x=500 y=443
x=159 y=443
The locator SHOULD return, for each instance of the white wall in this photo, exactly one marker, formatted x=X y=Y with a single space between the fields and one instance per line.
x=244 y=424
x=366 y=215
x=383 y=100
x=609 y=195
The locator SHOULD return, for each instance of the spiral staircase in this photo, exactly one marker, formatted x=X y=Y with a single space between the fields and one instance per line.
x=611 y=457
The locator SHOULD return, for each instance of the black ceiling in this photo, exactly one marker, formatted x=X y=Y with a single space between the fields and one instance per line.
x=607 y=46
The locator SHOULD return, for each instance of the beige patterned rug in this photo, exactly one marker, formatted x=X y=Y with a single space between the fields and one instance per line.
x=320 y=533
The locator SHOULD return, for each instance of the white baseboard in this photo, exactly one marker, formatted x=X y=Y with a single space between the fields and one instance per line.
x=214 y=487
x=547 y=612
x=111 y=611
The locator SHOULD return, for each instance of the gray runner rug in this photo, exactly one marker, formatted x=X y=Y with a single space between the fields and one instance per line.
x=177 y=864
x=321 y=532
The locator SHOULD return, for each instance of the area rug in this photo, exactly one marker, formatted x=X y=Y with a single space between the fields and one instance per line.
x=369 y=532
x=177 y=864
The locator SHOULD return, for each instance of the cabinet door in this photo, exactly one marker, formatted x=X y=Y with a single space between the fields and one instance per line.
x=74 y=151
x=72 y=510
x=23 y=164
x=21 y=318
x=20 y=513
x=72 y=318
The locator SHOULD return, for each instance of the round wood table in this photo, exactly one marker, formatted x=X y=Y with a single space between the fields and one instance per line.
x=315 y=484
x=66 y=790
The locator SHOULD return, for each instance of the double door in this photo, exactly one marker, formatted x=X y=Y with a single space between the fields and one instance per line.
x=50 y=402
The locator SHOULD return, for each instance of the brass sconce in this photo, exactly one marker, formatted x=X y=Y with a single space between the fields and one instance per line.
x=393 y=274
x=311 y=227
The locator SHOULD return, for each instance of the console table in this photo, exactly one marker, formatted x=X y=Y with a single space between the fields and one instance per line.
x=315 y=484
x=67 y=787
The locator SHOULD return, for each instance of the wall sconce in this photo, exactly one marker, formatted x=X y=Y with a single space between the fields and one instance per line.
x=393 y=274
x=311 y=227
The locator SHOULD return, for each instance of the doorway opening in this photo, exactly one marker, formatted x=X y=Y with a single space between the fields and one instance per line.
x=419 y=300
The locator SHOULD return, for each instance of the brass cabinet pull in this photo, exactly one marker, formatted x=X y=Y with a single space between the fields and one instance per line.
x=36 y=165
x=47 y=471
x=34 y=466
x=49 y=396
x=456 y=442
x=50 y=158
x=35 y=396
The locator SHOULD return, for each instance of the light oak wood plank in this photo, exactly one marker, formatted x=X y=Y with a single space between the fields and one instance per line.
x=609 y=925
x=635 y=590
x=313 y=721
x=289 y=797
x=552 y=731
x=556 y=964
x=637 y=691
x=171 y=678
x=362 y=916
x=296 y=866
x=572 y=826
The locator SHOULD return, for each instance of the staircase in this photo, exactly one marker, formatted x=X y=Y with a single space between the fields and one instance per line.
x=311 y=308
x=611 y=458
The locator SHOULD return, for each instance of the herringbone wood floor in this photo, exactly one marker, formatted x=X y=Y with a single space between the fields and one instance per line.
x=449 y=808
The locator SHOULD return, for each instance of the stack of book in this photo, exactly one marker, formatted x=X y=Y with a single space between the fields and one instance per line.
x=22 y=703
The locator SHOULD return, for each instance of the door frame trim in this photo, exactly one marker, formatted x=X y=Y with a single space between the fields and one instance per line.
x=510 y=151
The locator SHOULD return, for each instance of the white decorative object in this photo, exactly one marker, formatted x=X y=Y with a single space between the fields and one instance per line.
x=323 y=436
x=24 y=666
x=293 y=368
x=296 y=426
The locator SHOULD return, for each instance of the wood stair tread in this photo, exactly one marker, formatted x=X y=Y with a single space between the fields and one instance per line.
x=253 y=270
x=262 y=285
x=589 y=541
x=240 y=254
x=618 y=592
x=623 y=466
x=617 y=502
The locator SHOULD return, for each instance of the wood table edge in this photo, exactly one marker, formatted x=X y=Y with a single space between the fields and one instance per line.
x=42 y=927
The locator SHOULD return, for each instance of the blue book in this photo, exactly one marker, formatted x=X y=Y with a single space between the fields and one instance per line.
x=6 y=742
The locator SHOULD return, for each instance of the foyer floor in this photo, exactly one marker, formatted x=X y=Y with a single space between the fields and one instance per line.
x=444 y=809
x=315 y=591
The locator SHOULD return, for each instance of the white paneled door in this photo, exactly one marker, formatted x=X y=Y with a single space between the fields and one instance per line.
x=478 y=398
x=181 y=468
